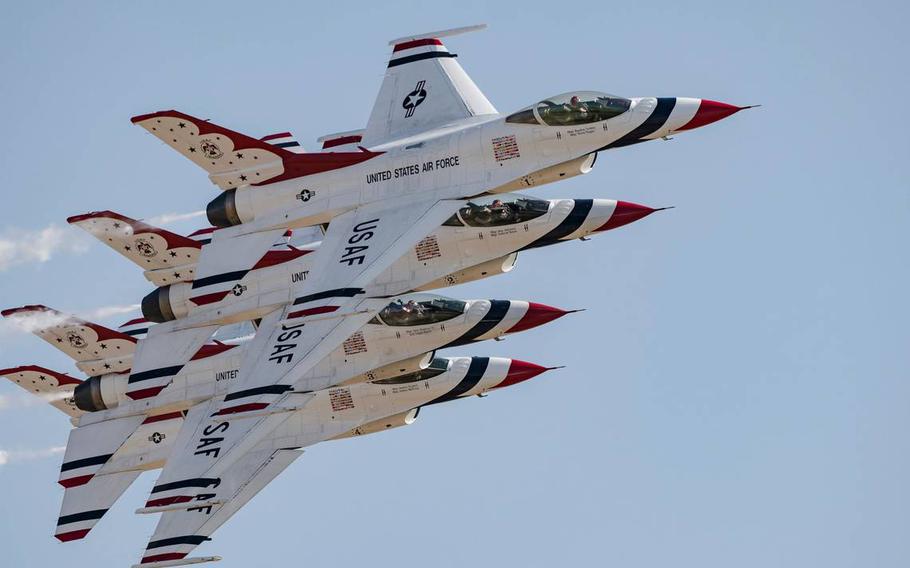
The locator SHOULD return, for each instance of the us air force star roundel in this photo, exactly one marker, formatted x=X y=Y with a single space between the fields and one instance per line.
x=305 y=194
x=238 y=289
x=414 y=99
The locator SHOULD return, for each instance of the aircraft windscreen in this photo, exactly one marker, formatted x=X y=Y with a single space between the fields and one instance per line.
x=580 y=108
x=413 y=313
x=500 y=212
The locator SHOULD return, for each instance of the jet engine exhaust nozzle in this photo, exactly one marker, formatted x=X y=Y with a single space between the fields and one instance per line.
x=156 y=305
x=222 y=211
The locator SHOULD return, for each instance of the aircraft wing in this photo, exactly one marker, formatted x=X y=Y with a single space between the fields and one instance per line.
x=359 y=247
x=423 y=88
x=180 y=531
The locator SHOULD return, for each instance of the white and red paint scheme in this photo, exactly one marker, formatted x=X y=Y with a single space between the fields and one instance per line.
x=116 y=440
x=421 y=198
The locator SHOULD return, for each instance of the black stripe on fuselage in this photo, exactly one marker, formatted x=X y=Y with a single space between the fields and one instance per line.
x=569 y=225
x=419 y=57
x=269 y=389
x=195 y=482
x=194 y=539
x=651 y=124
x=219 y=278
x=85 y=462
x=476 y=370
x=336 y=293
x=83 y=516
x=497 y=311
x=154 y=374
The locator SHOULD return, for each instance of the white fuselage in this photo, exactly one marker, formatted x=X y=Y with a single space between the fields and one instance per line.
x=447 y=256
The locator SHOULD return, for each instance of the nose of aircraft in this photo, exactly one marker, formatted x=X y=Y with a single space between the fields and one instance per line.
x=625 y=213
x=537 y=314
x=521 y=371
x=706 y=112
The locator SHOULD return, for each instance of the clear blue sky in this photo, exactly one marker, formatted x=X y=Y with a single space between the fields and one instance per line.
x=737 y=392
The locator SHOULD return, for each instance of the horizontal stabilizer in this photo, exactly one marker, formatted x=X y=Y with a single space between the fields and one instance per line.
x=95 y=348
x=234 y=160
x=165 y=257
x=56 y=388
x=84 y=505
x=90 y=447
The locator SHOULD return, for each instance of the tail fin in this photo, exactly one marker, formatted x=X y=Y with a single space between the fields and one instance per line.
x=165 y=257
x=95 y=348
x=233 y=159
x=424 y=87
x=56 y=388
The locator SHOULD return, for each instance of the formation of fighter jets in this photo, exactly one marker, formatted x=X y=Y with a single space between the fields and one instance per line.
x=347 y=330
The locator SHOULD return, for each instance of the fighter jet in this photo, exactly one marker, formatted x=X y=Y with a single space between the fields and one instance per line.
x=422 y=198
x=397 y=347
x=431 y=139
x=453 y=245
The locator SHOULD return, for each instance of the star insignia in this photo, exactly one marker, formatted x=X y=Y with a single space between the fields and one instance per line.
x=182 y=125
x=239 y=156
x=59 y=340
x=107 y=366
x=116 y=225
x=192 y=149
x=173 y=254
x=242 y=178
x=127 y=247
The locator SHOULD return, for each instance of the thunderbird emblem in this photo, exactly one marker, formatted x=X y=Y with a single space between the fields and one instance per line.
x=211 y=151
x=145 y=248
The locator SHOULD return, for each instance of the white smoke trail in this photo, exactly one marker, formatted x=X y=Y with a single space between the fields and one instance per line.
x=23 y=247
x=168 y=218
x=37 y=247
x=31 y=322
x=17 y=456
x=8 y=401
x=109 y=311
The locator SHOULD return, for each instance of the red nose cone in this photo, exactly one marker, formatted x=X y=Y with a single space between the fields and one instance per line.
x=520 y=371
x=537 y=314
x=708 y=112
x=626 y=213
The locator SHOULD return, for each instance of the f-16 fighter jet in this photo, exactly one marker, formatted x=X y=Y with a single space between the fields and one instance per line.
x=418 y=199
x=487 y=231
x=407 y=332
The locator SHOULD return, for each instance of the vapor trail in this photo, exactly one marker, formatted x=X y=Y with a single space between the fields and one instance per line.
x=36 y=247
x=17 y=456
x=168 y=218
